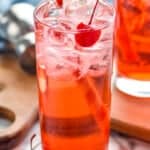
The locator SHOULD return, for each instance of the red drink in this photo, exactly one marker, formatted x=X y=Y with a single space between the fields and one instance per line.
x=132 y=44
x=74 y=78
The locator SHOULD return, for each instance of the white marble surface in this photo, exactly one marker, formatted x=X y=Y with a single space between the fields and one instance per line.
x=117 y=142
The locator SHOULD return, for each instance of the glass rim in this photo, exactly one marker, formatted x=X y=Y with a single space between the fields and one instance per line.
x=44 y=3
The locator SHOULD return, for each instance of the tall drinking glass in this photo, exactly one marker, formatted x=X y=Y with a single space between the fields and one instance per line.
x=132 y=44
x=74 y=65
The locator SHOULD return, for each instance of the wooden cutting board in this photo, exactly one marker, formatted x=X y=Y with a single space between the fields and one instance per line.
x=18 y=102
x=131 y=115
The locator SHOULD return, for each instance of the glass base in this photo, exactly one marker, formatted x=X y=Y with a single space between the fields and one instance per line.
x=133 y=87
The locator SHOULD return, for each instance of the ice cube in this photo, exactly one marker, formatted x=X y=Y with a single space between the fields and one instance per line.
x=54 y=12
x=79 y=10
x=104 y=14
x=57 y=37
x=61 y=67
x=99 y=63
x=106 y=35
x=59 y=30
x=135 y=6
x=66 y=24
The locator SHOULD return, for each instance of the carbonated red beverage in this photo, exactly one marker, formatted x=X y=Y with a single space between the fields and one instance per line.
x=74 y=65
x=132 y=44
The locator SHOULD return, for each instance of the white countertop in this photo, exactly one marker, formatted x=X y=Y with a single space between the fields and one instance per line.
x=117 y=141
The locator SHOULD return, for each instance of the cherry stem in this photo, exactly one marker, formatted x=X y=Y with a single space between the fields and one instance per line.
x=93 y=12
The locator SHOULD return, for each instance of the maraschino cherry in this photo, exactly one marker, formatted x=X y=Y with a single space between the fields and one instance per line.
x=59 y=3
x=87 y=35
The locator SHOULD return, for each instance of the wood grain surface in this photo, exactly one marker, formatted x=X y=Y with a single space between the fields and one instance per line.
x=131 y=115
x=18 y=102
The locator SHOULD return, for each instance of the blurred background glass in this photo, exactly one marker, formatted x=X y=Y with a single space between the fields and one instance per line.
x=5 y=4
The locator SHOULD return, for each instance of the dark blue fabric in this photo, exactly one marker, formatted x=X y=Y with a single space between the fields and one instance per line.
x=5 y=4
